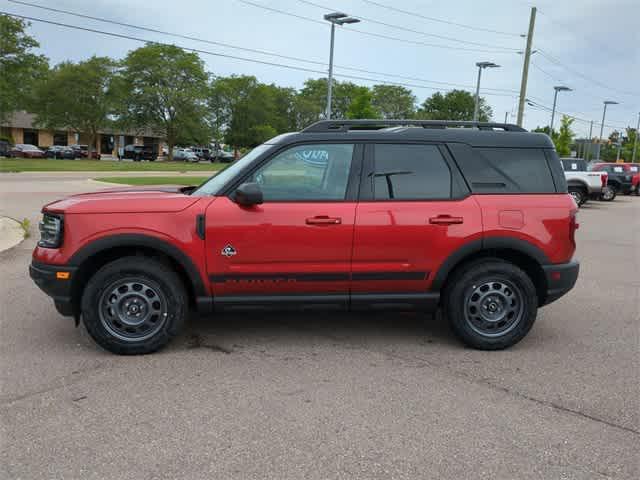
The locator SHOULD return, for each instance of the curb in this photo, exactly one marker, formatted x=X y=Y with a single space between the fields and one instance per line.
x=11 y=233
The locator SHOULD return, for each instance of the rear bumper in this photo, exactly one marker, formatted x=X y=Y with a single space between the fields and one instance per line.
x=47 y=279
x=561 y=278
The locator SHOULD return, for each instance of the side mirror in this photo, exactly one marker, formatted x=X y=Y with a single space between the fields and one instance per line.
x=248 y=194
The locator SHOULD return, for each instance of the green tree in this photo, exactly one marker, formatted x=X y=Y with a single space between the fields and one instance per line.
x=361 y=106
x=165 y=89
x=313 y=96
x=393 y=101
x=78 y=96
x=454 y=105
x=545 y=130
x=246 y=112
x=564 y=138
x=20 y=68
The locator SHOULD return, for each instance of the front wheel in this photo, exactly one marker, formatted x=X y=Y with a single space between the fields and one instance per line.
x=134 y=305
x=578 y=194
x=490 y=304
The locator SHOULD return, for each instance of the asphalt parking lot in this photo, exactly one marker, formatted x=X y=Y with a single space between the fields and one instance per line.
x=287 y=396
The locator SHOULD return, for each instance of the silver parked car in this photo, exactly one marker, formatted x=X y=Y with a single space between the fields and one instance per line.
x=185 y=154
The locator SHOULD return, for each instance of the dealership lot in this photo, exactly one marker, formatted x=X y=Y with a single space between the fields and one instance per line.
x=327 y=396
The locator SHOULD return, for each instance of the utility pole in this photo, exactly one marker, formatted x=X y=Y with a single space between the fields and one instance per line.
x=506 y=117
x=525 y=67
x=635 y=141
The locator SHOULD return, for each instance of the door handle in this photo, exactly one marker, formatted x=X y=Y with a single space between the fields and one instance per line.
x=446 y=220
x=324 y=220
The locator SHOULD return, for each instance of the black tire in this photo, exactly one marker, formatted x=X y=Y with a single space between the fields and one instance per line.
x=579 y=195
x=123 y=290
x=516 y=300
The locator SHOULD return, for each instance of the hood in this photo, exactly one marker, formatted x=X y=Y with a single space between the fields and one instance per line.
x=124 y=200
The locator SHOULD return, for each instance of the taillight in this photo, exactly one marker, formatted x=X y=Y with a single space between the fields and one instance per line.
x=604 y=178
x=573 y=226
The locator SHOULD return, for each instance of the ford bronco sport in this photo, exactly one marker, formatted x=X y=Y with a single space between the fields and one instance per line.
x=472 y=218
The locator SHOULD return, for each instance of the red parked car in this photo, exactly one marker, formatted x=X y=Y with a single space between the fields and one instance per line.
x=346 y=215
x=25 y=150
x=634 y=168
x=82 y=151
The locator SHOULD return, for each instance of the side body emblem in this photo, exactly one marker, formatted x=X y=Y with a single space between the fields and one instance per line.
x=228 y=251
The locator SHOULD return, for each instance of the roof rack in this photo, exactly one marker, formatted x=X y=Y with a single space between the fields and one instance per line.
x=346 y=125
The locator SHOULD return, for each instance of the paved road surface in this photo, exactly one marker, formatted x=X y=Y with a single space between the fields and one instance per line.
x=289 y=396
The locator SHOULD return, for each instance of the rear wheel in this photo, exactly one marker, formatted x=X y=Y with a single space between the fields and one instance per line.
x=608 y=193
x=490 y=304
x=134 y=305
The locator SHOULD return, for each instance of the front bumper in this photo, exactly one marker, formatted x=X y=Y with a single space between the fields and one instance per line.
x=561 y=278
x=55 y=281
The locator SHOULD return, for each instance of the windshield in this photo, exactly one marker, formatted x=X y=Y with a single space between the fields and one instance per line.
x=215 y=183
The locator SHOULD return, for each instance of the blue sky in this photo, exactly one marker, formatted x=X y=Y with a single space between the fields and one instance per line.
x=591 y=46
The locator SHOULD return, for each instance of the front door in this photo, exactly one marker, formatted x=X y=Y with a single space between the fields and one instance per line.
x=298 y=243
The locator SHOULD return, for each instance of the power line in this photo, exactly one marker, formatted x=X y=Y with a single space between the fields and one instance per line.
x=371 y=34
x=545 y=72
x=554 y=60
x=405 y=29
x=579 y=119
x=253 y=50
x=439 y=20
x=223 y=55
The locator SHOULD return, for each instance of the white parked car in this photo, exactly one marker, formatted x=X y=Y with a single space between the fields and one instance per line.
x=185 y=154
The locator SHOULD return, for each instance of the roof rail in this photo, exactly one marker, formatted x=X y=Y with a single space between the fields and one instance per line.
x=346 y=125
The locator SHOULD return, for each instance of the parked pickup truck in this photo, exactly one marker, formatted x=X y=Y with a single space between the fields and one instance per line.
x=584 y=185
x=621 y=176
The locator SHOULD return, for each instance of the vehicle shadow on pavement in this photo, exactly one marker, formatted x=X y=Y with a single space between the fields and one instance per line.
x=229 y=333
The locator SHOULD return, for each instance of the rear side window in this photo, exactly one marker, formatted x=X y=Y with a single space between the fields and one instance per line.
x=410 y=172
x=571 y=165
x=509 y=170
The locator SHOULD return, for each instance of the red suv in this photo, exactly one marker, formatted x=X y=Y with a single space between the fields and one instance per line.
x=470 y=217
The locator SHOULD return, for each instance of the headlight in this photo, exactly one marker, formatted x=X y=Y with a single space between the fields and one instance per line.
x=50 y=231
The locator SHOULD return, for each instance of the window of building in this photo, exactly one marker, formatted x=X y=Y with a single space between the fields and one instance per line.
x=30 y=137
x=60 y=138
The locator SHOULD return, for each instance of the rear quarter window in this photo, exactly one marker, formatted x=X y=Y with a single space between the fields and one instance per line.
x=510 y=170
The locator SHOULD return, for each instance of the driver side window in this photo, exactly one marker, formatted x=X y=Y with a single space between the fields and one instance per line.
x=306 y=173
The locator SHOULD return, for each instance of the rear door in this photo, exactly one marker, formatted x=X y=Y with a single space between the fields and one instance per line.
x=414 y=212
x=299 y=241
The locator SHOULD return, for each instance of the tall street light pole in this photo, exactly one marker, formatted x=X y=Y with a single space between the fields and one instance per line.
x=555 y=99
x=604 y=114
x=635 y=141
x=336 y=18
x=481 y=66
